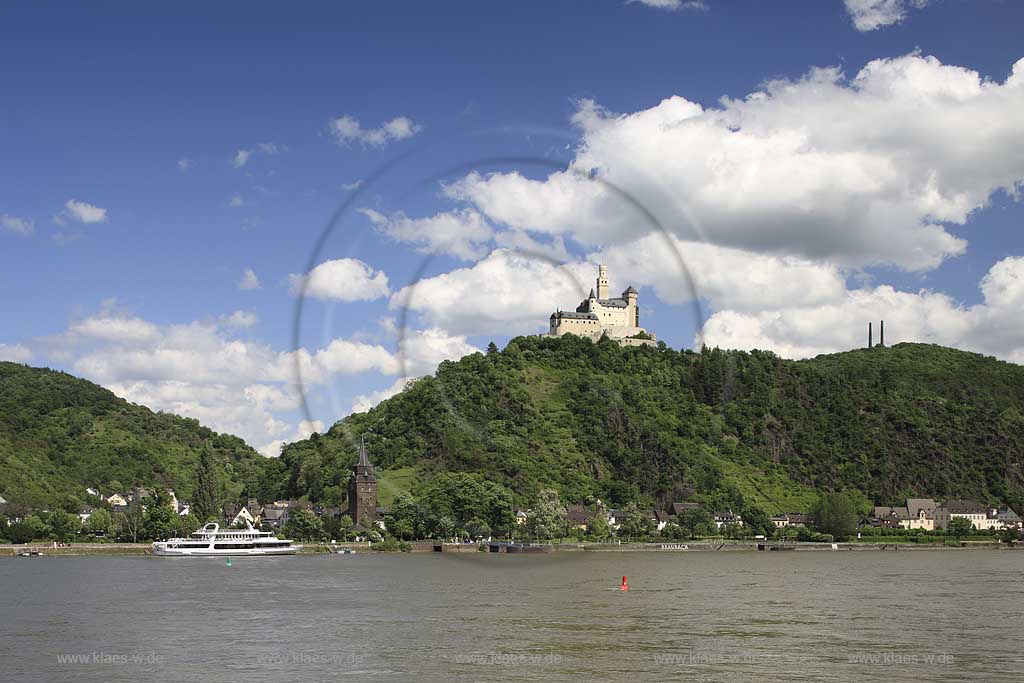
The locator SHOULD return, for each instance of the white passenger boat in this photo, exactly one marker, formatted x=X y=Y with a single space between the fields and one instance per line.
x=211 y=540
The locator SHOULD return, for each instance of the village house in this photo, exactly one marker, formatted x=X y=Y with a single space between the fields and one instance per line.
x=118 y=502
x=521 y=517
x=889 y=517
x=274 y=517
x=615 y=519
x=229 y=510
x=925 y=514
x=726 y=517
x=679 y=508
x=1007 y=518
x=243 y=517
x=578 y=516
x=662 y=519
x=794 y=519
x=918 y=513
x=972 y=511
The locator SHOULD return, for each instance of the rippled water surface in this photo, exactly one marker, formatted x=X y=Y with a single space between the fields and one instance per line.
x=803 y=616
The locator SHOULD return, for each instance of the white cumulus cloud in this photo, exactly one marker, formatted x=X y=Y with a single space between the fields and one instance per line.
x=505 y=292
x=724 y=276
x=249 y=280
x=363 y=402
x=868 y=15
x=345 y=279
x=244 y=154
x=994 y=326
x=204 y=370
x=515 y=291
x=239 y=319
x=346 y=130
x=461 y=233
x=113 y=327
x=672 y=5
x=860 y=171
x=19 y=226
x=15 y=353
x=82 y=212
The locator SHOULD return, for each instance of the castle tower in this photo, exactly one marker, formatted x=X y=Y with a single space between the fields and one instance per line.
x=602 y=282
x=362 y=487
x=630 y=295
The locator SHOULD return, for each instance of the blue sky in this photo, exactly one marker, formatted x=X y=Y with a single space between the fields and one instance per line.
x=864 y=165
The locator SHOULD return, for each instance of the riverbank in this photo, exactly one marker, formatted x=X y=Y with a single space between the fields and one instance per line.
x=130 y=549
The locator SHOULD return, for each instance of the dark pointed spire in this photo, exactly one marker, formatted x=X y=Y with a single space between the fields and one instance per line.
x=592 y=296
x=364 y=459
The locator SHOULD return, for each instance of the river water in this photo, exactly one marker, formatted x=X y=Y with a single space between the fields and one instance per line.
x=702 y=616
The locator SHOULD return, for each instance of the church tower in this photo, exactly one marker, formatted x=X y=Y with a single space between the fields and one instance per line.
x=602 y=282
x=362 y=487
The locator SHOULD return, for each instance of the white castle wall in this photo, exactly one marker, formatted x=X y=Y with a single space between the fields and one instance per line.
x=616 y=322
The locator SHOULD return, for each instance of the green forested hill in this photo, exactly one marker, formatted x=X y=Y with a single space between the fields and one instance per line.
x=60 y=434
x=723 y=427
x=622 y=424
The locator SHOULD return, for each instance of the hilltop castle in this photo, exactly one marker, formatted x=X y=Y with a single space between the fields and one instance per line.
x=598 y=314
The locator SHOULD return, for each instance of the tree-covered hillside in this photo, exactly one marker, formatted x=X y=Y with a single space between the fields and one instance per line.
x=650 y=425
x=722 y=427
x=60 y=434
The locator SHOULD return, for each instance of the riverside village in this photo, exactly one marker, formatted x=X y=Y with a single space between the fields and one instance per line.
x=462 y=512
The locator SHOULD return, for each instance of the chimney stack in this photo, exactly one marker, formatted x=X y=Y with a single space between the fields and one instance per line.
x=869 y=335
x=881 y=333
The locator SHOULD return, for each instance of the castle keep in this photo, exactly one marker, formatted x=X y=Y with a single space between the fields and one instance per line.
x=598 y=314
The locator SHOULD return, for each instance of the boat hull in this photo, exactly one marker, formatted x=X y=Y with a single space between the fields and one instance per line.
x=234 y=552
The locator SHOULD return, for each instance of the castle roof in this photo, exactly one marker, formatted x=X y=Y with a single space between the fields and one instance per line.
x=577 y=316
x=630 y=289
x=613 y=303
x=592 y=296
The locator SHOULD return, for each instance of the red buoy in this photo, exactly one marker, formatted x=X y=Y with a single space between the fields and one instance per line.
x=624 y=586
